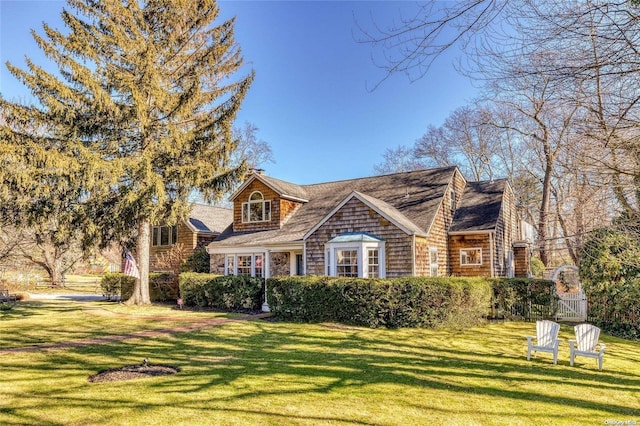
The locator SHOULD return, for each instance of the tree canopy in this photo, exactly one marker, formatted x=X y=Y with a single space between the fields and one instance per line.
x=563 y=77
x=139 y=114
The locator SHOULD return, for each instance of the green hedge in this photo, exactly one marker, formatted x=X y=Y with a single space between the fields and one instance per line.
x=409 y=301
x=522 y=298
x=162 y=286
x=393 y=302
x=221 y=292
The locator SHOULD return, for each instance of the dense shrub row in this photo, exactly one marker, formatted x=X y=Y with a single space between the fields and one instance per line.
x=162 y=287
x=409 y=301
x=221 y=292
x=393 y=302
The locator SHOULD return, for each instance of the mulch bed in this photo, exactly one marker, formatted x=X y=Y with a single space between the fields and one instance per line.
x=130 y=372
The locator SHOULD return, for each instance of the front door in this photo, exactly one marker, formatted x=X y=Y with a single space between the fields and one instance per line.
x=299 y=265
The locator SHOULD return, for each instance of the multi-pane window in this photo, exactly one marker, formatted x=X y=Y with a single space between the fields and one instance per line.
x=258 y=266
x=231 y=265
x=244 y=265
x=164 y=236
x=471 y=257
x=355 y=254
x=374 y=263
x=251 y=265
x=347 y=263
x=257 y=209
x=433 y=262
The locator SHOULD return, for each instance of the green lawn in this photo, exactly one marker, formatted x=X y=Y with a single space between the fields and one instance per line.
x=262 y=372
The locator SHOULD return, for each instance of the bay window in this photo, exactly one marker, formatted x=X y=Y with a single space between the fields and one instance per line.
x=355 y=255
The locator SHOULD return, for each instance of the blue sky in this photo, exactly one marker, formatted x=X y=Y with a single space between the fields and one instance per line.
x=311 y=98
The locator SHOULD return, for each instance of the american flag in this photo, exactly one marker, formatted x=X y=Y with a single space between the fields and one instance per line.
x=130 y=267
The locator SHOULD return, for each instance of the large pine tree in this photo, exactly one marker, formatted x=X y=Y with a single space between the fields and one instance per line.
x=143 y=104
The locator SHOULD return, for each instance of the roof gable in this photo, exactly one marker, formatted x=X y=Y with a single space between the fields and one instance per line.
x=382 y=208
x=479 y=207
x=410 y=200
x=285 y=189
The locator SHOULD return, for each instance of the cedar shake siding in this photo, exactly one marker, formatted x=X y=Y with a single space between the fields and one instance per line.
x=506 y=233
x=355 y=216
x=407 y=215
x=485 y=219
x=186 y=237
x=202 y=226
x=277 y=214
x=472 y=241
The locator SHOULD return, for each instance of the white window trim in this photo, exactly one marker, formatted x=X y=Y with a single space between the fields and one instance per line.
x=464 y=250
x=253 y=263
x=431 y=265
x=247 y=205
x=362 y=248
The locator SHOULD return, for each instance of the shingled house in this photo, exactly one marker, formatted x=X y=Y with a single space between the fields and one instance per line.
x=421 y=223
x=204 y=224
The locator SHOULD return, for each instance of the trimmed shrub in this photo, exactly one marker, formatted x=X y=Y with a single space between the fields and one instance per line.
x=393 y=302
x=116 y=285
x=233 y=293
x=162 y=286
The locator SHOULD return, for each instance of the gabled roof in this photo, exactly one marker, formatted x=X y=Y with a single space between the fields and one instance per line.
x=382 y=208
x=409 y=198
x=284 y=189
x=205 y=219
x=479 y=207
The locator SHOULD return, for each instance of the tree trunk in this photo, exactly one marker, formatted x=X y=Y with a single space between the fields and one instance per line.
x=544 y=215
x=140 y=295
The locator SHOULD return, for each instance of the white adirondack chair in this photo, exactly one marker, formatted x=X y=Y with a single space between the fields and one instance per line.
x=546 y=339
x=586 y=339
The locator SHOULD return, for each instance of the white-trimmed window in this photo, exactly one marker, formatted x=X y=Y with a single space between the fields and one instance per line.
x=230 y=267
x=355 y=255
x=433 y=261
x=164 y=236
x=374 y=262
x=347 y=263
x=251 y=264
x=257 y=209
x=471 y=257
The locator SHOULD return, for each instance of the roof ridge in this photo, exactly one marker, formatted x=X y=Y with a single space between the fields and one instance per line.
x=378 y=176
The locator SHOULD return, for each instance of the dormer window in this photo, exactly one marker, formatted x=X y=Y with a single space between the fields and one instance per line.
x=256 y=209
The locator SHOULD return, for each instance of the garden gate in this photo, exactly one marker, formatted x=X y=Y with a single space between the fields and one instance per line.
x=572 y=305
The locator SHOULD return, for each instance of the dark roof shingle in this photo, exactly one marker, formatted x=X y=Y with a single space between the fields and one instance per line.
x=479 y=207
x=210 y=219
x=415 y=195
